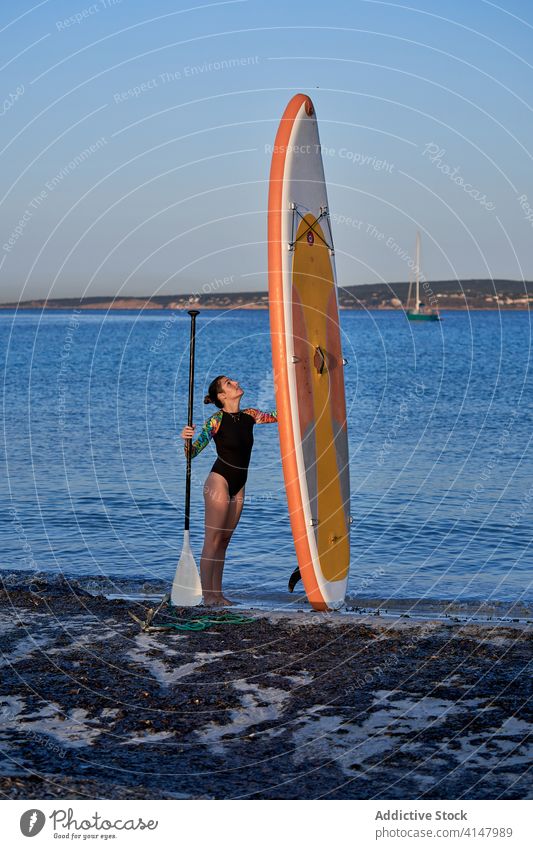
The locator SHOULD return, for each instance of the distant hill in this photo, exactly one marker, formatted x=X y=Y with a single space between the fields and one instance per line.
x=447 y=294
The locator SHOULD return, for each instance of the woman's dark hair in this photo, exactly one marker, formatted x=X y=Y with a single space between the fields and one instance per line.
x=212 y=392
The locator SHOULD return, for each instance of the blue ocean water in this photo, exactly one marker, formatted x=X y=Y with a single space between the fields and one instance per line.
x=440 y=423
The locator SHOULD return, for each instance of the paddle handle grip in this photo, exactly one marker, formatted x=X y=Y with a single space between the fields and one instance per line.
x=193 y=314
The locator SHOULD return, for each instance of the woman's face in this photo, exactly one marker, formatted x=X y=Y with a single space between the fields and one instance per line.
x=229 y=389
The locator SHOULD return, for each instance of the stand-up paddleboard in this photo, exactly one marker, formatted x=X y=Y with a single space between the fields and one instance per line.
x=307 y=357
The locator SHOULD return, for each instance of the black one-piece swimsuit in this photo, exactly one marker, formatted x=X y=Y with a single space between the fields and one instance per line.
x=234 y=440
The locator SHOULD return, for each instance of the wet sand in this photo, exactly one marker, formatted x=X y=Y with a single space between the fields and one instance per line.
x=288 y=706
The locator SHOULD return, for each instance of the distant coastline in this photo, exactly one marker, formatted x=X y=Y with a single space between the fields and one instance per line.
x=446 y=294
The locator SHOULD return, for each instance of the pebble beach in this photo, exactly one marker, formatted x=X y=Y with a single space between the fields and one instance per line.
x=280 y=705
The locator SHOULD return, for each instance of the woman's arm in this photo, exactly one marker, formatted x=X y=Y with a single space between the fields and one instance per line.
x=206 y=434
x=262 y=416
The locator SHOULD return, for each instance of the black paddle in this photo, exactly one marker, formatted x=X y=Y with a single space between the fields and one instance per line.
x=186 y=587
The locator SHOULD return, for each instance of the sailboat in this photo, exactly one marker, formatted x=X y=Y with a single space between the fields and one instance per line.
x=419 y=312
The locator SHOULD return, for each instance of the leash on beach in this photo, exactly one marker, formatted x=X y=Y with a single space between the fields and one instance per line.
x=202 y=623
x=199 y=623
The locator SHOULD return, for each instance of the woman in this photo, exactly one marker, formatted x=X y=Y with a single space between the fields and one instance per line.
x=232 y=431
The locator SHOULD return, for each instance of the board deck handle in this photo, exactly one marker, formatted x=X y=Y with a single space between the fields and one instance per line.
x=319 y=360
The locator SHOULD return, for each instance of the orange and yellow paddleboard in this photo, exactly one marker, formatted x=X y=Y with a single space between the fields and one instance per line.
x=307 y=357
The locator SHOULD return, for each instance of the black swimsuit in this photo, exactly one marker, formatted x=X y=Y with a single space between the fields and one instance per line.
x=233 y=435
x=234 y=440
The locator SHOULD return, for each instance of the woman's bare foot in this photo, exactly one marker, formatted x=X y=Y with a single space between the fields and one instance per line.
x=210 y=600
x=216 y=600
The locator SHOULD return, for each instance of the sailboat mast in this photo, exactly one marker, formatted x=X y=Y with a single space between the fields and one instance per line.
x=426 y=313
x=417 y=271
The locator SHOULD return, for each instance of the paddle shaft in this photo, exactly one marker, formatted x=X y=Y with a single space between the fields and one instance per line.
x=193 y=314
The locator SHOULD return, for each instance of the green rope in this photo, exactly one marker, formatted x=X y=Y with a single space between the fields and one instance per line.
x=204 y=622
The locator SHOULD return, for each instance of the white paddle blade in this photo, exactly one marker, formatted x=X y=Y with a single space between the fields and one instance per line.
x=186 y=587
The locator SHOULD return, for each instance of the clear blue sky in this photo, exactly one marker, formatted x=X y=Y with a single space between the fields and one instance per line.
x=134 y=139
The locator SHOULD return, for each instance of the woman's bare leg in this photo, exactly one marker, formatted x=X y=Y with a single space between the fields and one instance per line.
x=216 y=499
x=221 y=517
x=232 y=520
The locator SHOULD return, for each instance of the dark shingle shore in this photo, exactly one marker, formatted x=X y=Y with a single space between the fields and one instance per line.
x=286 y=706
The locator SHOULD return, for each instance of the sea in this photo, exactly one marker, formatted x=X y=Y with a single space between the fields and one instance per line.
x=440 y=418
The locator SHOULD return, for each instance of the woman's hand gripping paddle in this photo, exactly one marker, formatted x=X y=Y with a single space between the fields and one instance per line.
x=187 y=588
